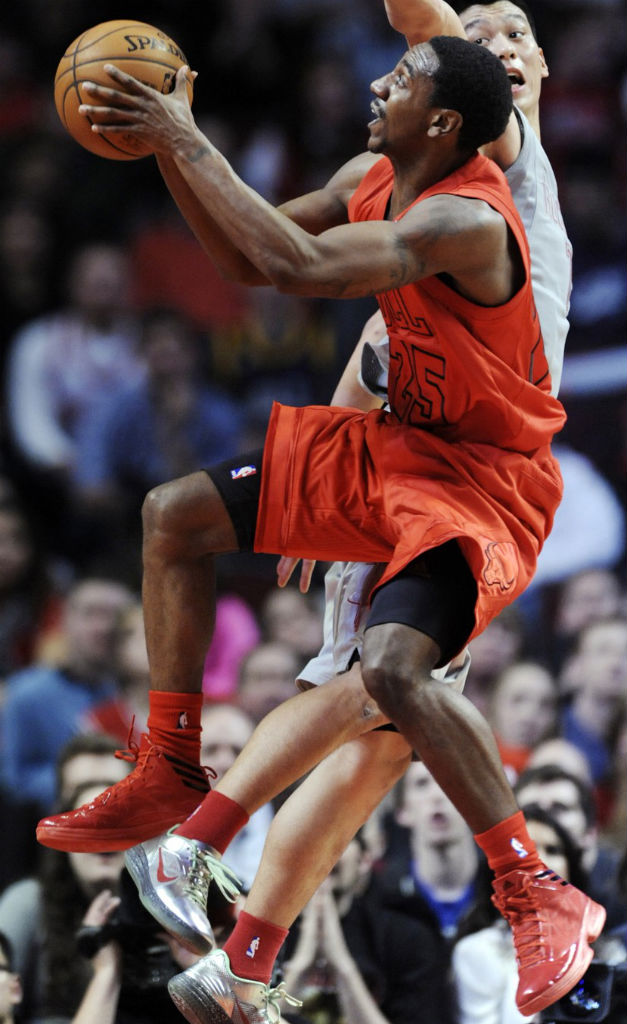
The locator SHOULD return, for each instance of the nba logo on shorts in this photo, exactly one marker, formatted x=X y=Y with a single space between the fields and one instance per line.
x=239 y=474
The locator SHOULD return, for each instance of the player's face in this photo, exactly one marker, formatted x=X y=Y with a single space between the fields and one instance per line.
x=402 y=103
x=506 y=32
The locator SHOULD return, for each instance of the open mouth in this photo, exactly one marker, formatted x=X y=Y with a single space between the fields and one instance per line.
x=378 y=110
x=516 y=79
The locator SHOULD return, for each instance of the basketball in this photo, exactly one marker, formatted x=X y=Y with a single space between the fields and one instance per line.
x=140 y=50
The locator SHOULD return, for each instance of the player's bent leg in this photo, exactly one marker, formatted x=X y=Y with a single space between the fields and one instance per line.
x=296 y=736
x=306 y=838
x=184 y=523
x=315 y=825
x=290 y=741
x=552 y=922
x=442 y=726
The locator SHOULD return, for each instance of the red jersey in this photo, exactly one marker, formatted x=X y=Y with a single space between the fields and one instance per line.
x=464 y=452
x=468 y=372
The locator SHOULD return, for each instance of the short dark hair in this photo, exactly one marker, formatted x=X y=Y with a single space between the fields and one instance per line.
x=554 y=773
x=462 y=5
x=472 y=81
x=98 y=743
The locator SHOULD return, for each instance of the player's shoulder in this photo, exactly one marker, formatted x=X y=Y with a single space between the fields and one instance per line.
x=456 y=214
x=349 y=176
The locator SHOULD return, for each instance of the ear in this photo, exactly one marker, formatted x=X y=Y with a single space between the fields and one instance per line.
x=544 y=68
x=445 y=122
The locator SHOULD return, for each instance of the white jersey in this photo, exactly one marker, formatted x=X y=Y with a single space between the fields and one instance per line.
x=534 y=189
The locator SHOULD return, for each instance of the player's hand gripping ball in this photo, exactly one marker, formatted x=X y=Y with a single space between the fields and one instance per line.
x=138 y=49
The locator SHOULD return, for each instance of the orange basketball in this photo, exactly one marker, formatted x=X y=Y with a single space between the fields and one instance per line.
x=139 y=49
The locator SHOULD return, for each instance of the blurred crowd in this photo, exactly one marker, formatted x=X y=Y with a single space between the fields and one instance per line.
x=125 y=361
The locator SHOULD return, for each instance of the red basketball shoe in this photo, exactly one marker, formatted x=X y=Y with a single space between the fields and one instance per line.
x=552 y=923
x=161 y=791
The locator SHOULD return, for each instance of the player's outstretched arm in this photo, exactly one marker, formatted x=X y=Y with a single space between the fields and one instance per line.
x=313 y=212
x=162 y=122
x=345 y=261
x=419 y=20
x=228 y=259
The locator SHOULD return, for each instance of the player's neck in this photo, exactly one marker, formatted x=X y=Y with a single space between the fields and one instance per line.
x=412 y=180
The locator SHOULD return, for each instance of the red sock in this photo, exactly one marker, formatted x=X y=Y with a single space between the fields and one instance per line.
x=174 y=723
x=253 y=946
x=508 y=846
x=215 y=821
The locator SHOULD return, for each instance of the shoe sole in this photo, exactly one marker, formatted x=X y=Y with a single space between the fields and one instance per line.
x=136 y=864
x=591 y=926
x=71 y=840
x=190 y=999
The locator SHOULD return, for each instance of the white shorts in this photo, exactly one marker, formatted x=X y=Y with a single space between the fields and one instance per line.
x=347 y=586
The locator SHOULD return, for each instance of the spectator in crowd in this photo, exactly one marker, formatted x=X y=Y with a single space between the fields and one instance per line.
x=598 y=674
x=522 y=712
x=10 y=984
x=30 y=604
x=558 y=751
x=60 y=366
x=154 y=429
x=500 y=645
x=27 y=266
x=63 y=364
x=571 y=801
x=484 y=959
x=226 y=729
x=46 y=704
x=358 y=954
x=436 y=872
x=42 y=915
x=583 y=597
x=294 y=618
x=266 y=678
x=614 y=823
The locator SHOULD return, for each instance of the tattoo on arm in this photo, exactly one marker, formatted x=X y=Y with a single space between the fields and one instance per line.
x=401 y=273
x=198 y=154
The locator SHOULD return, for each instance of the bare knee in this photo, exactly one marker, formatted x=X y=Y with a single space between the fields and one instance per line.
x=396 y=668
x=186 y=517
x=158 y=509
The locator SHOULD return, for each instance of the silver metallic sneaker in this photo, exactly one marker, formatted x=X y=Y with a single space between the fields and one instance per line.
x=172 y=875
x=209 y=993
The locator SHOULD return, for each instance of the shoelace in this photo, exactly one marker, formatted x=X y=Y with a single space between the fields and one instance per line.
x=135 y=755
x=206 y=868
x=520 y=911
x=273 y=996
